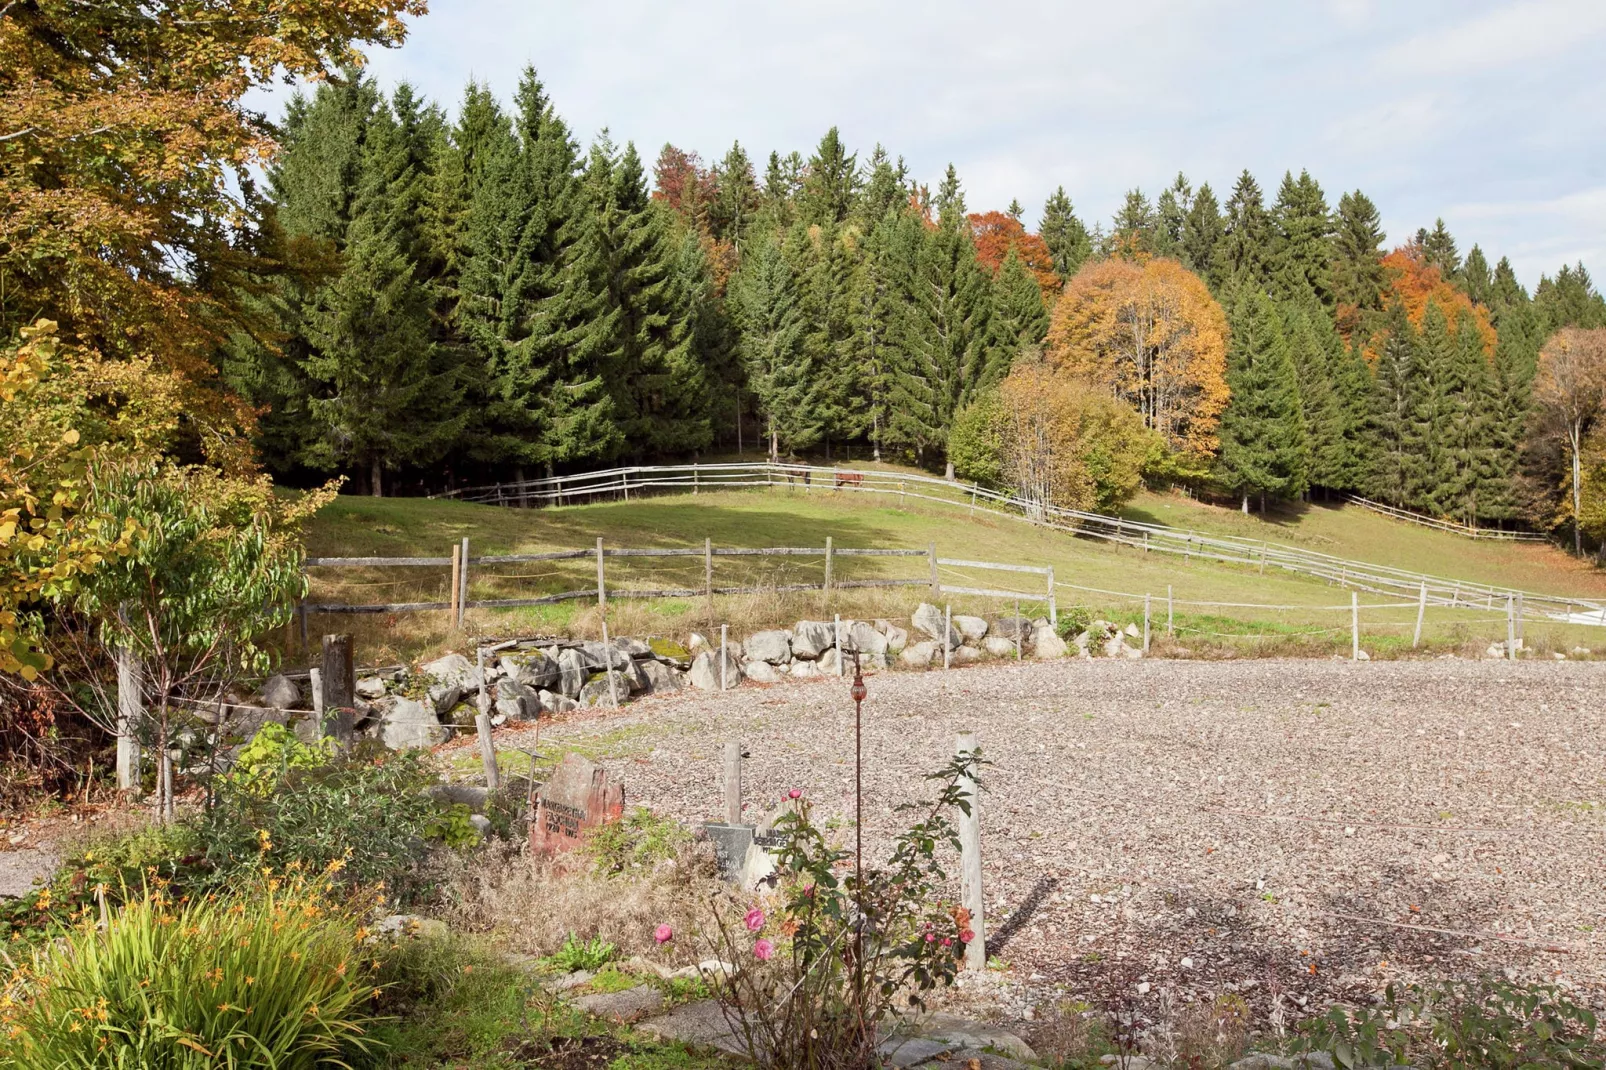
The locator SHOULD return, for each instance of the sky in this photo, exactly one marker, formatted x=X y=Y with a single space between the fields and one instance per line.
x=1491 y=115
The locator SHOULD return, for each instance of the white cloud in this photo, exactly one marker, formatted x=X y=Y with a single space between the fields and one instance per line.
x=1515 y=33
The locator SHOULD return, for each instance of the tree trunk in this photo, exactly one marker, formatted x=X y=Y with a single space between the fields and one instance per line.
x=1578 y=531
x=775 y=447
x=948 y=470
x=1246 y=503
x=827 y=449
x=376 y=483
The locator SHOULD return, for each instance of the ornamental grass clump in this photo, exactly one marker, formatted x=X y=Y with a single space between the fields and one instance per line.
x=274 y=977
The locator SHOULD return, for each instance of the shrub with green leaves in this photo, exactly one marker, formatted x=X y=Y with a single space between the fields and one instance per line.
x=577 y=954
x=276 y=977
x=264 y=763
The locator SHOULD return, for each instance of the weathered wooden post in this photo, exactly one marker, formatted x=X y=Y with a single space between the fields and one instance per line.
x=1511 y=630
x=970 y=884
x=836 y=635
x=607 y=653
x=1519 y=616
x=339 y=686
x=828 y=566
x=303 y=613
x=130 y=712
x=1017 y=629
x=1355 y=626
x=1421 y=611
x=931 y=557
x=947 y=630
x=462 y=590
x=482 y=727
x=708 y=573
x=457 y=566
x=1053 y=606
x=602 y=588
x=723 y=629
x=733 y=783
x=1145 y=623
x=1169 y=604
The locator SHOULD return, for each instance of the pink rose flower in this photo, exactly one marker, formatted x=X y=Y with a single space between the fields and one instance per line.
x=763 y=949
x=947 y=942
x=754 y=920
x=966 y=935
x=931 y=938
x=663 y=934
x=794 y=794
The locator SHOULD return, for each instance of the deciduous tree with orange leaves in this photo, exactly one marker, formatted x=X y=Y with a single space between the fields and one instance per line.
x=1151 y=333
x=995 y=233
x=1415 y=282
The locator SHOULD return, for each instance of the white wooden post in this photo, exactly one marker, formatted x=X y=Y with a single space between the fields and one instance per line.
x=1053 y=607
x=722 y=631
x=457 y=577
x=607 y=654
x=1354 y=626
x=602 y=589
x=1511 y=631
x=482 y=728
x=1018 y=629
x=931 y=556
x=130 y=711
x=828 y=566
x=836 y=636
x=462 y=589
x=1421 y=611
x=1145 y=623
x=1168 y=606
x=733 y=783
x=970 y=883
x=1519 y=616
x=708 y=573
x=947 y=630
x=315 y=685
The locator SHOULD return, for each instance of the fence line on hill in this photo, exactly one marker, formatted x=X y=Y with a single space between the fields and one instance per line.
x=1469 y=531
x=1157 y=538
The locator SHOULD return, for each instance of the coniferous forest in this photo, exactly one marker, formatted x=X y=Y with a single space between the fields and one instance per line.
x=479 y=297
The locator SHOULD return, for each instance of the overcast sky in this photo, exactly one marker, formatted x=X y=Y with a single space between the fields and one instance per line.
x=1490 y=114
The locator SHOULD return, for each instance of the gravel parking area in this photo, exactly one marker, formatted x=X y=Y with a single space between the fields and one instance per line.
x=1314 y=828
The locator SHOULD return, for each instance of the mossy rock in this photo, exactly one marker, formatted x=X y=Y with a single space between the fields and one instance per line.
x=462 y=715
x=668 y=650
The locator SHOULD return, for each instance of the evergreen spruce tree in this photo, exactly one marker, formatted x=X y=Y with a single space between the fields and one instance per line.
x=1477 y=280
x=1391 y=436
x=1171 y=217
x=1263 y=447
x=1069 y=244
x=1202 y=233
x=823 y=264
x=883 y=191
x=1475 y=474
x=765 y=305
x=832 y=183
x=1317 y=354
x=1357 y=271
x=1438 y=249
x=1355 y=389
x=1433 y=390
x=1018 y=320
x=783 y=186
x=736 y=198
x=1243 y=256
x=1134 y=228
x=1302 y=248
x=882 y=285
x=1569 y=300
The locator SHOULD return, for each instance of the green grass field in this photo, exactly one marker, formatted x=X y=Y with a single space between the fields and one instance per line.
x=1316 y=622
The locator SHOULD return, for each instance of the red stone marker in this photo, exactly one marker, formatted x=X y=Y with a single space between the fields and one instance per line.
x=578 y=797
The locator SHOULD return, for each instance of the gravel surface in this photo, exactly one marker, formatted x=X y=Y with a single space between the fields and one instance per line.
x=1200 y=827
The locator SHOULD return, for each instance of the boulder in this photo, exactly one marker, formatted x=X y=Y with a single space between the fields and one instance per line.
x=1361 y=655
x=280 y=692
x=696 y=642
x=411 y=725
x=1012 y=627
x=965 y=655
x=812 y=638
x=864 y=637
x=661 y=679
x=637 y=676
x=761 y=672
x=929 y=620
x=897 y=639
x=872 y=661
x=830 y=663
x=572 y=673
x=531 y=668
x=1114 y=645
x=918 y=655
x=670 y=652
x=1132 y=631
x=444 y=696
x=452 y=670
x=803 y=670
x=597 y=656
x=972 y=628
x=552 y=702
x=1046 y=644
x=526 y=700
x=370 y=688
x=632 y=646
x=704 y=673
x=598 y=691
x=999 y=647
x=774 y=647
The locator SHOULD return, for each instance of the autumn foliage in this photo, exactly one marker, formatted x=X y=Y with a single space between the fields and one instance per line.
x=1416 y=283
x=995 y=233
x=1152 y=333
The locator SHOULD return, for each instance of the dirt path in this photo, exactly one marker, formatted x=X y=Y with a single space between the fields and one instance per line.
x=1302 y=826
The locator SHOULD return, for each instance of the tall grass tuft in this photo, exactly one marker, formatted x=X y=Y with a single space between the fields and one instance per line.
x=273 y=977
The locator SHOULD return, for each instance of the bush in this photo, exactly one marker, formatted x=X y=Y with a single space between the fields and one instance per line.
x=272 y=978
x=641 y=840
x=1074 y=620
x=577 y=954
x=265 y=762
x=370 y=810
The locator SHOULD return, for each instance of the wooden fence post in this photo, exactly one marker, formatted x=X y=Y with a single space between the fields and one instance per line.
x=482 y=728
x=1519 y=616
x=457 y=565
x=624 y=481
x=602 y=589
x=828 y=565
x=1053 y=606
x=836 y=634
x=970 y=883
x=1511 y=630
x=1018 y=629
x=607 y=653
x=339 y=685
x=931 y=555
x=947 y=631
x=1421 y=611
x=1354 y=626
x=708 y=573
x=1145 y=623
x=722 y=632
x=462 y=590
x=130 y=711
x=733 y=783
x=1169 y=628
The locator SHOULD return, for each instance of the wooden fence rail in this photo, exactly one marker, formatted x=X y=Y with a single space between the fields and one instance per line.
x=1440 y=524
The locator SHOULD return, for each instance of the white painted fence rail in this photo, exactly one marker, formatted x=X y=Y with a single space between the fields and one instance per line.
x=1155 y=538
x=1441 y=524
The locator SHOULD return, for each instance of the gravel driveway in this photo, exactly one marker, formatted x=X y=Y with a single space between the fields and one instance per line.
x=1309 y=827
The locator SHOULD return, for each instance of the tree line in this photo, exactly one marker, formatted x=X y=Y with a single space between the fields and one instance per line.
x=478 y=298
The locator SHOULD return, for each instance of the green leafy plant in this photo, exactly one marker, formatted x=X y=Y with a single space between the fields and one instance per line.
x=105 y=873
x=453 y=828
x=1073 y=621
x=577 y=954
x=641 y=839
x=270 y=756
x=821 y=970
x=274 y=977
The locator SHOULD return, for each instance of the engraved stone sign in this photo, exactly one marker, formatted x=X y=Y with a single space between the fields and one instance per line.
x=577 y=797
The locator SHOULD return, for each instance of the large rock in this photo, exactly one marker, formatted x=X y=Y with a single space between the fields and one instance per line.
x=1046 y=644
x=830 y=663
x=704 y=673
x=803 y=670
x=598 y=656
x=453 y=670
x=572 y=673
x=972 y=628
x=761 y=672
x=774 y=647
x=897 y=639
x=444 y=697
x=411 y=725
x=280 y=692
x=661 y=678
x=929 y=620
x=811 y=638
x=918 y=655
x=1012 y=627
x=669 y=652
x=552 y=702
x=864 y=638
x=526 y=700
x=632 y=646
x=531 y=668
x=597 y=691
x=370 y=688
x=999 y=647
x=637 y=676
x=965 y=655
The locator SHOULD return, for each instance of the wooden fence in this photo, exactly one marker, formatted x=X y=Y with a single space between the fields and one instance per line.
x=1441 y=524
x=623 y=483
